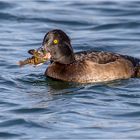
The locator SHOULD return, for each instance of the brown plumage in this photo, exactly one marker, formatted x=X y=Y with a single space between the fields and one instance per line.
x=86 y=66
x=93 y=67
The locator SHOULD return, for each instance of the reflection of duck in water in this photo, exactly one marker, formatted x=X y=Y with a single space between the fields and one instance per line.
x=85 y=66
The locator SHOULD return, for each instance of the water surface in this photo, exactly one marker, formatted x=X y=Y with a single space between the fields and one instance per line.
x=33 y=106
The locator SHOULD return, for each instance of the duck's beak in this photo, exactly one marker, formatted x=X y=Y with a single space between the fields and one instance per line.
x=47 y=56
x=44 y=52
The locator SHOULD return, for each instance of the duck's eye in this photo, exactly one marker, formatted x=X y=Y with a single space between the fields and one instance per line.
x=55 y=41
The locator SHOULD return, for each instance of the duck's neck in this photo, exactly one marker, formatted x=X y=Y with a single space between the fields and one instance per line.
x=67 y=59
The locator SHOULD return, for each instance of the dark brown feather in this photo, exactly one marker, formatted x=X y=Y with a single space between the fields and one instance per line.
x=93 y=67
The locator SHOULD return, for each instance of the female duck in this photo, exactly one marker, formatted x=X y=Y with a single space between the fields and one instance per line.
x=86 y=66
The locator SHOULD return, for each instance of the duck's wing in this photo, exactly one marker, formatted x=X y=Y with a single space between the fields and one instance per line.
x=135 y=61
x=97 y=56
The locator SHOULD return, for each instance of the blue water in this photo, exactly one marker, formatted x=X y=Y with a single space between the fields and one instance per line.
x=33 y=106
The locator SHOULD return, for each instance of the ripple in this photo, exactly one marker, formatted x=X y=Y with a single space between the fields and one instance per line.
x=10 y=104
x=5 y=5
x=133 y=104
x=12 y=122
x=113 y=26
x=32 y=79
x=7 y=16
x=129 y=95
x=8 y=135
x=30 y=110
x=130 y=115
x=5 y=80
x=58 y=21
x=16 y=122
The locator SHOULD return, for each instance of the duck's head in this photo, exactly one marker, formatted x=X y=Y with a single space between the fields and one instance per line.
x=58 y=45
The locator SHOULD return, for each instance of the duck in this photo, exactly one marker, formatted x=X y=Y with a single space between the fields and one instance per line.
x=85 y=66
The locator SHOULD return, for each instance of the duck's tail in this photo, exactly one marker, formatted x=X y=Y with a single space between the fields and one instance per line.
x=136 y=63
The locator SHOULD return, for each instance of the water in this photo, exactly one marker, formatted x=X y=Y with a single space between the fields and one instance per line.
x=33 y=106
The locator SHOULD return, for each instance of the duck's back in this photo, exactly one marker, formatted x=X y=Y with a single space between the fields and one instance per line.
x=91 y=66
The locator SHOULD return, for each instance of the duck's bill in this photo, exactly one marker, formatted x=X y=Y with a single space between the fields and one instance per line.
x=44 y=53
x=39 y=57
x=47 y=56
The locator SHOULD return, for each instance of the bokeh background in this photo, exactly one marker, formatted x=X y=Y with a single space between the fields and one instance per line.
x=33 y=106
